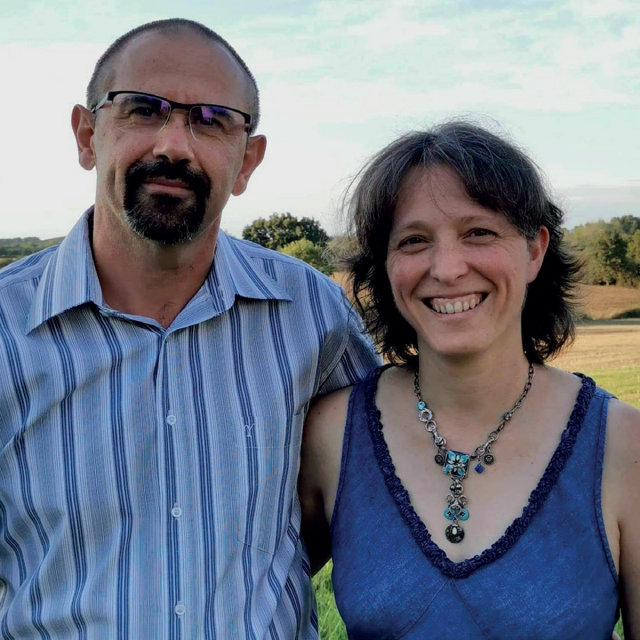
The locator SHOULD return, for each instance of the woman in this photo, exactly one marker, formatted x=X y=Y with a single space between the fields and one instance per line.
x=424 y=469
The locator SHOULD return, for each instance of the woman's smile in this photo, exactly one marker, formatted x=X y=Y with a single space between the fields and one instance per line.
x=468 y=265
x=455 y=305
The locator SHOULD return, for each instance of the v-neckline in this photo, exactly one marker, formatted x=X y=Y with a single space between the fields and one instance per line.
x=517 y=528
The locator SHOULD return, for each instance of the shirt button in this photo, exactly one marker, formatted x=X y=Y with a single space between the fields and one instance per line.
x=176 y=512
x=180 y=609
x=171 y=419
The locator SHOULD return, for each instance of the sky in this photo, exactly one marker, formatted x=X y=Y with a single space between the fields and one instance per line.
x=338 y=81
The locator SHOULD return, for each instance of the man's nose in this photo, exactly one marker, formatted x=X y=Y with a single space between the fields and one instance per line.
x=448 y=262
x=175 y=140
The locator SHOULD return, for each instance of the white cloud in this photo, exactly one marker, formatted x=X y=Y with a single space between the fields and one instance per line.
x=393 y=28
x=602 y=8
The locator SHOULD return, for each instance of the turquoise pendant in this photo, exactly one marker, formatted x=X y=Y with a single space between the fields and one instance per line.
x=456 y=464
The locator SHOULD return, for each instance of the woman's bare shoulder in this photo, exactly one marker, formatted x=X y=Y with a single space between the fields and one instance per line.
x=326 y=418
x=622 y=451
x=624 y=421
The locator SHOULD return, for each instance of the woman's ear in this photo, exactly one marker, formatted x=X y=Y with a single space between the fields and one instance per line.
x=537 y=250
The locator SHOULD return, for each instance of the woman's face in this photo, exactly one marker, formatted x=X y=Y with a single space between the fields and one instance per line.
x=458 y=271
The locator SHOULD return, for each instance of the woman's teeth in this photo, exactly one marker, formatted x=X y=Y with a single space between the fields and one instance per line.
x=455 y=305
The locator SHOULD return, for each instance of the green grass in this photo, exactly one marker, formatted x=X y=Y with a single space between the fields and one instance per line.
x=623 y=383
x=329 y=620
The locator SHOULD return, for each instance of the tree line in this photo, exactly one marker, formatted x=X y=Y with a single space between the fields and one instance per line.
x=610 y=251
x=19 y=247
x=13 y=248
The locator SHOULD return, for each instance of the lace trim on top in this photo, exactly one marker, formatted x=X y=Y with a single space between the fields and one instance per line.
x=537 y=498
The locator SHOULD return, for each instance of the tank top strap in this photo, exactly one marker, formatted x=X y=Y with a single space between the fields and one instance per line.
x=596 y=428
x=582 y=476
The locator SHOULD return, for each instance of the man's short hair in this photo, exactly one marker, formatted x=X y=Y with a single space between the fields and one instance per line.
x=104 y=72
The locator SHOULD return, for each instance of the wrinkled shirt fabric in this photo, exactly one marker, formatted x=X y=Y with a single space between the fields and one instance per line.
x=148 y=475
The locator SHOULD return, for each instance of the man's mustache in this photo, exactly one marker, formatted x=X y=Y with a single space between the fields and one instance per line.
x=140 y=172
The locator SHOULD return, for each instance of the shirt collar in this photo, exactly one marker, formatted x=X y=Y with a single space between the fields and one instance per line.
x=236 y=273
x=70 y=279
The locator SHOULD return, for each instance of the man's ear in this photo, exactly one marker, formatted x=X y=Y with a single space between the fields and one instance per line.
x=253 y=155
x=537 y=250
x=83 y=124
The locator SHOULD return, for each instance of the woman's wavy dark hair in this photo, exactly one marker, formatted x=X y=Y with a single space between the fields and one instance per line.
x=497 y=175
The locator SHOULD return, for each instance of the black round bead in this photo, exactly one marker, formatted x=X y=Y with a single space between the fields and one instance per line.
x=439 y=459
x=488 y=459
x=454 y=533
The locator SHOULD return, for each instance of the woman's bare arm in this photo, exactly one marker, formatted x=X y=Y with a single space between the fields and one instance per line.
x=320 y=471
x=623 y=457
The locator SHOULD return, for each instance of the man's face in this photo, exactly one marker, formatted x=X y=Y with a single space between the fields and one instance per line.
x=170 y=187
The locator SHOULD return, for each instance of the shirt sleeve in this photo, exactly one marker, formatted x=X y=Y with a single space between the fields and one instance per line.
x=358 y=357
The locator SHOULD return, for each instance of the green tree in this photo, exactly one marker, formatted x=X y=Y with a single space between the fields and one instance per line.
x=14 y=248
x=281 y=229
x=626 y=226
x=633 y=252
x=606 y=259
x=584 y=234
x=310 y=253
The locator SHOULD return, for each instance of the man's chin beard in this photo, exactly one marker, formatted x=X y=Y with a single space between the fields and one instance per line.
x=164 y=218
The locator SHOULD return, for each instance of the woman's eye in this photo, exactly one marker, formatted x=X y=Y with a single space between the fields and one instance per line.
x=413 y=240
x=481 y=233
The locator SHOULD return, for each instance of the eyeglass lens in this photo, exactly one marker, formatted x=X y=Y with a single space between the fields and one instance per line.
x=145 y=114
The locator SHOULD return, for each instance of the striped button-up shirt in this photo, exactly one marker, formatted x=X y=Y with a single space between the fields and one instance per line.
x=148 y=476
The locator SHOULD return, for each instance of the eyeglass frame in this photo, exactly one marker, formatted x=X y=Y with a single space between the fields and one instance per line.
x=110 y=95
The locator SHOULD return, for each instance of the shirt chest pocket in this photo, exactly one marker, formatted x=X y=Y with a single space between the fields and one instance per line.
x=268 y=461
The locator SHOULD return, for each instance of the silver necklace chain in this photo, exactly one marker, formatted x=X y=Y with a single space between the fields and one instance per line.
x=455 y=464
x=425 y=416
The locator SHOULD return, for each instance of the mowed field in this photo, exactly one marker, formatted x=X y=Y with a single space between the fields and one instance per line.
x=609 y=352
x=605 y=349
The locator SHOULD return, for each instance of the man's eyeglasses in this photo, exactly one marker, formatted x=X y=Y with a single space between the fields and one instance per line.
x=147 y=114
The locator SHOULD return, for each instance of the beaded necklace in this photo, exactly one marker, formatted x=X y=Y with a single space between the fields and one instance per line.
x=455 y=464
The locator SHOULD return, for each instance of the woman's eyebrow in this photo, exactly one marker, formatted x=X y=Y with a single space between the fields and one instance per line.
x=475 y=217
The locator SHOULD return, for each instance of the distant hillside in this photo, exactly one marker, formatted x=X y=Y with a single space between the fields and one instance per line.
x=13 y=248
x=605 y=303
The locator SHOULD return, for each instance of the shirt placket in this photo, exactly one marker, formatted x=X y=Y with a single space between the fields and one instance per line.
x=171 y=422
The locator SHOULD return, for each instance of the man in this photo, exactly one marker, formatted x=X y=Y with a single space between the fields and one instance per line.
x=155 y=374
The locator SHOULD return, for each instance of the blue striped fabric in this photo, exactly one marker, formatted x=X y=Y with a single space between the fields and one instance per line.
x=147 y=476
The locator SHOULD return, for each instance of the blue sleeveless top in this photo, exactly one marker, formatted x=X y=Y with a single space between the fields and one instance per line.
x=550 y=576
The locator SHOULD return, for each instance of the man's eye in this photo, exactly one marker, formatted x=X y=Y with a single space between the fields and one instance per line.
x=206 y=121
x=144 y=112
x=211 y=117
